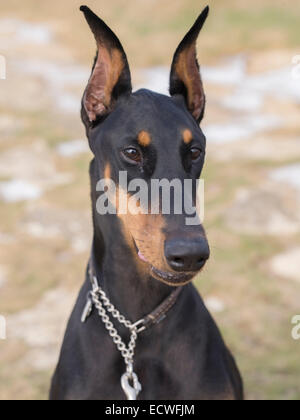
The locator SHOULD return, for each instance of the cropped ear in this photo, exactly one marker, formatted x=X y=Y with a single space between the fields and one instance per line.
x=185 y=76
x=110 y=76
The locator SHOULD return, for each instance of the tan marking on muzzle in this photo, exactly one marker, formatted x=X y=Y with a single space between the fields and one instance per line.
x=146 y=230
x=107 y=172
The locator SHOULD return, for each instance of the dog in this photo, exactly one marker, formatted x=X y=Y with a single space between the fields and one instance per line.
x=144 y=263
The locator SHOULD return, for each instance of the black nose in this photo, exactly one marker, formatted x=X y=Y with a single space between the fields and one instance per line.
x=187 y=255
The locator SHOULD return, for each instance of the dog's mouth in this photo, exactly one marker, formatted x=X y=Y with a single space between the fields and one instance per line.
x=171 y=279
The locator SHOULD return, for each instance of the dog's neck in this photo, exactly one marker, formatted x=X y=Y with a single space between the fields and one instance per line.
x=130 y=289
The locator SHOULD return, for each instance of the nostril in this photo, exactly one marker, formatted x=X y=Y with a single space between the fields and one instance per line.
x=177 y=261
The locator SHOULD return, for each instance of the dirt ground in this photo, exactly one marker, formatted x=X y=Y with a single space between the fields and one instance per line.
x=252 y=175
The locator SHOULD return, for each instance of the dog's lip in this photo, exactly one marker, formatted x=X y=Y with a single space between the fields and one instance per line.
x=171 y=278
x=165 y=276
x=141 y=256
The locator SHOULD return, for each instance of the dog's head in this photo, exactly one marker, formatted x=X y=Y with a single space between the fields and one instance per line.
x=150 y=137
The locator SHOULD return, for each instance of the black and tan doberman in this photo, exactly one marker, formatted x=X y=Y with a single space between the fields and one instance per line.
x=140 y=260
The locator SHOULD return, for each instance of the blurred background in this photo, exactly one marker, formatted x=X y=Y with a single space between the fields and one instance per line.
x=248 y=52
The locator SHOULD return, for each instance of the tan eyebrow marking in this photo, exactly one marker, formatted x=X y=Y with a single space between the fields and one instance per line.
x=144 y=138
x=187 y=136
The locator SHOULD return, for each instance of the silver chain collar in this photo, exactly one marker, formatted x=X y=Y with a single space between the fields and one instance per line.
x=98 y=298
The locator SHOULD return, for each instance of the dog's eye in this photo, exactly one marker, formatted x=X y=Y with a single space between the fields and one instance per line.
x=132 y=154
x=195 y=153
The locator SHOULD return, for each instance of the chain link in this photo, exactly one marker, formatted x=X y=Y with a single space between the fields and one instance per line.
x=97 y=297
x=104 y=306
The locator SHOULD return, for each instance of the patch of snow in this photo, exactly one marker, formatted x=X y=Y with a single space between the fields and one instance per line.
x=36 y=166
x=73 y=148
x=287 y=265
x=68 y=103
x=18 y=190
x=214 y=304
x=60 y=78
x=244 y=100
x=278 y=83
x=232 y=72
x=55 y=74
x=241 y=128
x=156 y=79
x=22 y=32
x=289 y=174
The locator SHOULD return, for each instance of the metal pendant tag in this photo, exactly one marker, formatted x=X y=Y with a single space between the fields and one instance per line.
x=131 y=392
x=87 y=310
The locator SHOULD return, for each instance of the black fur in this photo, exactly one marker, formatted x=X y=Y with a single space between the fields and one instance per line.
x=183 y=357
